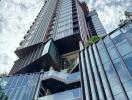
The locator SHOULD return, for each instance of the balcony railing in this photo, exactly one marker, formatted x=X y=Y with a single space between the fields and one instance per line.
x=74 y=94
x=64 y=77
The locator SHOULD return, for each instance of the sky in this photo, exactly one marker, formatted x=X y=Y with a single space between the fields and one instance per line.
x=16 y=17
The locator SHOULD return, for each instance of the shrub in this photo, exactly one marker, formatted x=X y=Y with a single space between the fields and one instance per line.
x=92 y=40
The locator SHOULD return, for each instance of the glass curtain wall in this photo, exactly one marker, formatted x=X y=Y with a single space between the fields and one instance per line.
x=112 y=57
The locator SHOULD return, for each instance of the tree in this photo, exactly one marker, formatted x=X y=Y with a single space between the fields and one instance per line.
x=3 y=74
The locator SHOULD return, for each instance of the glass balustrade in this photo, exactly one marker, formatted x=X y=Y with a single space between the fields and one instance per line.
x=62 y=76
x=66 y=95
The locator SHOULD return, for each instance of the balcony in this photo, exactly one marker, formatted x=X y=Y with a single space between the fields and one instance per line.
x=42 y=57
x=54 y=83
x=22 y=51
x=60 y=76
x=74 y=94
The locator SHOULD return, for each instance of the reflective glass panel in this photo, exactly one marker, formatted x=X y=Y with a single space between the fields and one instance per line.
x=46 y=47
x=127 y=30
x=103 y=55
x=121 y=43
x=119 y=97
x=110 y=74
x=124 y=47
x=128 y=85
x=128 y=61
x=130 y=95
x=121 y=69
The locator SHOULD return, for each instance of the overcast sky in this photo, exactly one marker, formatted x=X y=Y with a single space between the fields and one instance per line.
x=16 y=16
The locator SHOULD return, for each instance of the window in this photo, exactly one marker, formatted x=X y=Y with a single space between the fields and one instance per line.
x=110 y=47
x=124 y=47
x=122 y=71
x=122 y=44
x=113 y=53
x=9 y=82
x=128 y=61
x=25 y=80
x=127 y=30
x=4 y=82
x=128 y=85
x=104 y=56
x=119 y=97
x=129 y=94
x=110 y=74
x=116 y=89
x=14 y=82
x=100 y=45
x=46 y=47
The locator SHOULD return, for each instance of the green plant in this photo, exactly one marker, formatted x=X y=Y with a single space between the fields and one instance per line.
x=92 y=40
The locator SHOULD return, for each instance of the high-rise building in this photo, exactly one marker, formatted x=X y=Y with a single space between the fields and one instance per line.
x=67 y=55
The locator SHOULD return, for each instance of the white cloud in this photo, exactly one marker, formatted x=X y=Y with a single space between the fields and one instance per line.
x=16 y=16
x=110 y=11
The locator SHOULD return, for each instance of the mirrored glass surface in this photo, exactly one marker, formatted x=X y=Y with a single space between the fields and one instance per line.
x=128 y=61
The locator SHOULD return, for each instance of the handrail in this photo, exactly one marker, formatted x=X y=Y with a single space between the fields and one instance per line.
x=73 y=94
x=64 y=77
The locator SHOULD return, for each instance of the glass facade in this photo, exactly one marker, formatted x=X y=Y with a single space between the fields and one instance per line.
x=66 y=95
x=112 y=55
x=24 y=86
x=47 y=68
x=19 y=86
x=38 y=30
x=63 y=23
x=95 y=27
x=64 y=77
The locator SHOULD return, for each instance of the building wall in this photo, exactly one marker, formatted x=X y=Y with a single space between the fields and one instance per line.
x=82 y=23
x=63 y=20
x=107 y=66
x=94 y=25
x=37 y=31
x=20 y=87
